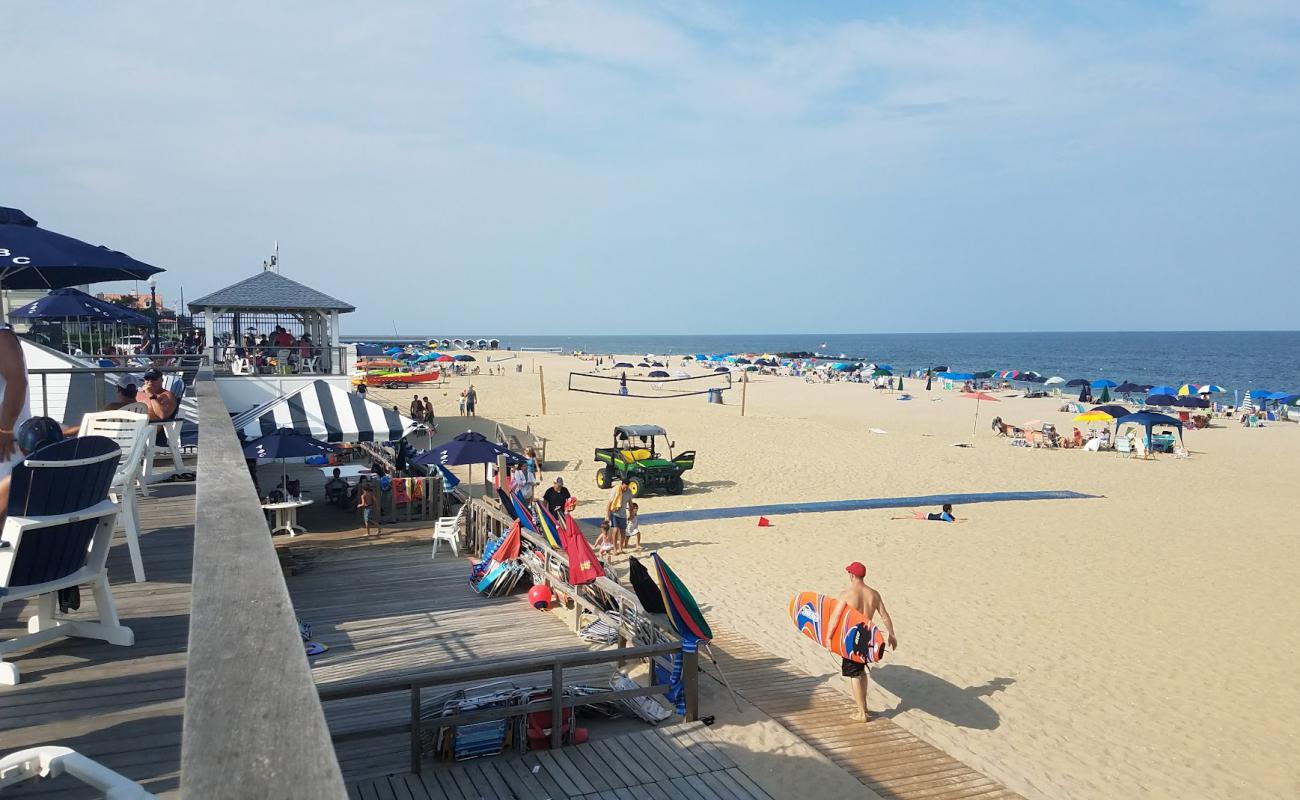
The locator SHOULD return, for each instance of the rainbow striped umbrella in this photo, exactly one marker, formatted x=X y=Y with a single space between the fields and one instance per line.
x=682 y=609
x=550 y=527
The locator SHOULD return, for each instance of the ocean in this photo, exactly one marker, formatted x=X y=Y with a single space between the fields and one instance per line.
x=1233 y=359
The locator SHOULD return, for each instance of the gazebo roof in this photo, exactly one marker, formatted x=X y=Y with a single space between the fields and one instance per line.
x=270 y=291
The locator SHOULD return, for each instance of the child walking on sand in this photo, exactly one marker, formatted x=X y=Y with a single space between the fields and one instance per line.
x=633 y=527
x=367 y=503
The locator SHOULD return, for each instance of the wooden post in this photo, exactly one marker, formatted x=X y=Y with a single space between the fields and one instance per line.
x=503 y=475
x=744 y=385
x=691 y=684
x=557 y=705
x=541 y=382
x=415 y=730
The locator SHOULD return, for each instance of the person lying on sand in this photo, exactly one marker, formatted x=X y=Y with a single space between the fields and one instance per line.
x=943 y=516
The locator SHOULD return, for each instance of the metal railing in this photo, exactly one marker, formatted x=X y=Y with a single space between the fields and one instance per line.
x=238 y=361
x=507 y=667
x=86 y=388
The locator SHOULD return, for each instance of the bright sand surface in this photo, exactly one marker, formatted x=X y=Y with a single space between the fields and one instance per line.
x=1138 y=644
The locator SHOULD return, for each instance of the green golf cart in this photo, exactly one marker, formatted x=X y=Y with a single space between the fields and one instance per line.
x=636 y=453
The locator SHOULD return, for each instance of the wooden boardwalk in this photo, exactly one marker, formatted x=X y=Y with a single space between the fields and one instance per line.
x=886 y=758
x=121 y=706
x=385 y=608
x=662 y=763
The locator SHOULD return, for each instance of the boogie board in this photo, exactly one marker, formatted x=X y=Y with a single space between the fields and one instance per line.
x=835 y=626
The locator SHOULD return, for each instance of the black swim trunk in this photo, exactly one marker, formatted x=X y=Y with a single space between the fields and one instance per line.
x=852 y=669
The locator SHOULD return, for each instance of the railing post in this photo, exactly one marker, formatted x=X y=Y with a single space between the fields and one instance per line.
x=691 y=683
x=557 y=704
x=415 y=730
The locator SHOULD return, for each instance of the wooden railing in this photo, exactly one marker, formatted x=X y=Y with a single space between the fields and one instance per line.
x=501 y=668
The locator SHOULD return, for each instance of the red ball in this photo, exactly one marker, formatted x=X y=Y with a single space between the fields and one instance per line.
x=540 y=597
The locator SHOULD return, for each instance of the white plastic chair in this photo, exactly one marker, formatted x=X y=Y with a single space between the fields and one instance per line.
x=130 y=431
x=309 y=365
x=444 y=530
x=171 y=430
x=50 y=761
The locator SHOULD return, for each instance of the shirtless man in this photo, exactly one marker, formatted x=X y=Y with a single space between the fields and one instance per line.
x=868 y=601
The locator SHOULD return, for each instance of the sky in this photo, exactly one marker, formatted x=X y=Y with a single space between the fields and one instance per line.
x=491 y=168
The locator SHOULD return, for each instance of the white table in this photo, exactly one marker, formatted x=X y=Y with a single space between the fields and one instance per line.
x=286 y=515
x=352 y=473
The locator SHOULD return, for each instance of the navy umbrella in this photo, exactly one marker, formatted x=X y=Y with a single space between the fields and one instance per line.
x=75 y=304
x=470 y=448
x=32 y=257
x=1188 y=401
x=1077 y=382
x=285 y=443
x=1129 y=388
x=1162 y=400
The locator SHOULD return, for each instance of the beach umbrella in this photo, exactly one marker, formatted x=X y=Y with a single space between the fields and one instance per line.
x=1085 y=394
x=464 y=357
x=1187 y=389
x=1258 y=394
x=721 y=369
x=1093 y=416
x=69 y=303
x=928 y=381
x=1114 y=411
x=658 y=373
x=1192 y=401
x=1211 y=388
x=445 y=359
x=683 y=612
x=977 y=397
x=37 y=258
x=1077 y=382
x=1105 y=395
x=1104 y=383
x=1162 y=390
x=1247 y=404
x=1291 y=400
x=1161 y=400
x=470 y=447
x=550 y=527
x=622 y=365
x=900 y=383
x=1054 y=380
x=880 y=372
x=742 y=361
x=584 y=567
x=1276 y=396
x=1129 y=388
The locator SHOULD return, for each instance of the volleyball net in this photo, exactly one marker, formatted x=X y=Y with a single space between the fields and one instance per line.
x=655 y=388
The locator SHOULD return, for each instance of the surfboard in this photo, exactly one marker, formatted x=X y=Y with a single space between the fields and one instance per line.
x=835 y=626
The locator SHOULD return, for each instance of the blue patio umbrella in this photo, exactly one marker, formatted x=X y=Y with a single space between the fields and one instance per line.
x=1104 y=383
x=75 y=304
x=470 y=447
x=285 y=443
x=36 y=258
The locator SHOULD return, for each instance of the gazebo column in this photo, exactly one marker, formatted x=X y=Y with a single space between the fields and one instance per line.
x=336 y=358
x=209 y=334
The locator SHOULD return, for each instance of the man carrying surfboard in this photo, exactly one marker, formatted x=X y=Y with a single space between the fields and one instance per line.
x=868 y=601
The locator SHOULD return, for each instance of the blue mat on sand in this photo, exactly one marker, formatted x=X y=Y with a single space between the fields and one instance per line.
x=699 y=514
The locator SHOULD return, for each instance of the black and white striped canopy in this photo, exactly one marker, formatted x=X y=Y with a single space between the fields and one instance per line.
x=326 y=412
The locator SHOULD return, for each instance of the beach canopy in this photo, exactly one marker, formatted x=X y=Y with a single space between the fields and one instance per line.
x=37 y=258
x=285 y=443
x=1148 y=420
x=326 y=412
x=1104 y=383
x=69 y=303
x=471 y=447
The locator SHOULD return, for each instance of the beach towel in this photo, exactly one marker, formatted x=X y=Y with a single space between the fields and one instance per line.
x=417 y=489
x=401 y=490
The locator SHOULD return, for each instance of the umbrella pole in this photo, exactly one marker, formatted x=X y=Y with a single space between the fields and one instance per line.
x=709 y=647
x=977 y=418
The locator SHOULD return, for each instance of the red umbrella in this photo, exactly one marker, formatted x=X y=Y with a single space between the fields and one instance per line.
x=583 y=565
x=444 y=359
x=977 y=397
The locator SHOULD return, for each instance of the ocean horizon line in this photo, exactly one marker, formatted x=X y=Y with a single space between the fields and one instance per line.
x=606 y=334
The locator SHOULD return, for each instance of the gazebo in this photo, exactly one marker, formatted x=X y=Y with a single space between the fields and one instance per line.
x=259 y=304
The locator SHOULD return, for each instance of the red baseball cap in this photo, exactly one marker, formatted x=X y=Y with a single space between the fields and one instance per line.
x=856 y=569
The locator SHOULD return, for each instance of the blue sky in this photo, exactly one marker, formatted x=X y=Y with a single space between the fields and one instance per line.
x=573 y=167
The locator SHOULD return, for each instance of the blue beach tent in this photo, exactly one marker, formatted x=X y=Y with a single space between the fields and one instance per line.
x=1149 y=420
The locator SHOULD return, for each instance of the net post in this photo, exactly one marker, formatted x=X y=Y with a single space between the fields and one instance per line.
x=541 y=382
x=744 y=386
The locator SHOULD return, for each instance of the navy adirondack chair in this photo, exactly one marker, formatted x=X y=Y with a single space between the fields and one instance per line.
x=56 y=538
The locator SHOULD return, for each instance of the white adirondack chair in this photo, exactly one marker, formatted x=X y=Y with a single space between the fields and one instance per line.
x=130 y=431
x=57 y=537
x=444 y=530
x=50 y=761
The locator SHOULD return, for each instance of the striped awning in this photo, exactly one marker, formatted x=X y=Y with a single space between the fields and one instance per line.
x=327 y=412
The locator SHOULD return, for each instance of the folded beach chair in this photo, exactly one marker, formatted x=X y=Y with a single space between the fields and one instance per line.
x=130 y=431
x=57 y=537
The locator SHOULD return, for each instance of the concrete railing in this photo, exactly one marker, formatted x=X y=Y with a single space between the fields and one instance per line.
x=253 y=723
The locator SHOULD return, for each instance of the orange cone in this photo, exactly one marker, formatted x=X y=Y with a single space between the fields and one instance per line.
x=764 y=522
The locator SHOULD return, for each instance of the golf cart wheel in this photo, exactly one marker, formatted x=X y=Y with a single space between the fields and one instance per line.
x=675 y=486
x=635 y=486
x=602 y=479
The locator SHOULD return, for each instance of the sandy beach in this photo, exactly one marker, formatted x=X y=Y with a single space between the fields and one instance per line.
x=1132 y=644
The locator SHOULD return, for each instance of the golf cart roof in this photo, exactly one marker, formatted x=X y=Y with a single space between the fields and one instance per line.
x=639 y=430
